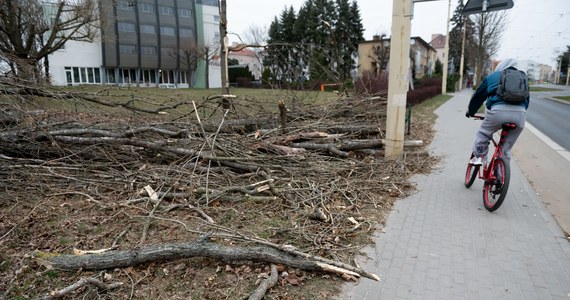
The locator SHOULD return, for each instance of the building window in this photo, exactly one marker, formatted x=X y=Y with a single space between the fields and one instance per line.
x=128 y=76
x=165 y=51
x=166 y=76
x=186 y=32
x=208 y=2
x=126 y=5
x=146 y=8
x=185 y=13
x=164 y=30
x=148 y=50
x=182 y=77
x=77 y=75
x=127 y=49
x=149 y=76
x=166 y=10
x=126 y=27
x=217 y=19
x=148 y=29
x=217 y=36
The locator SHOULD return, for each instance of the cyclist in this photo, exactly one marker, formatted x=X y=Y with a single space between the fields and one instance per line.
x=498 y=112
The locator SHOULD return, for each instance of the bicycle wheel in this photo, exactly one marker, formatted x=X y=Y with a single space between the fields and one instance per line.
x=471 y=174
x=496 y=188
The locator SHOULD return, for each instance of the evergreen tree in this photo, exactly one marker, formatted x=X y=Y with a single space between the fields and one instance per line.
x=458 y=21
x=237 y=74
x=350 y=30
x=323 y=39
x=271 y=61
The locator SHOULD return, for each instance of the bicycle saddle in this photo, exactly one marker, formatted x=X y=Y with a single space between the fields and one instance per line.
x=507 y=126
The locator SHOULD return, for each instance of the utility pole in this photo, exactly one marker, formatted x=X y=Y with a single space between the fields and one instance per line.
x=557 y=79
x=567 y=75
x=567 y=70
x=398 y=78
x=462 y=54
x=446 y=53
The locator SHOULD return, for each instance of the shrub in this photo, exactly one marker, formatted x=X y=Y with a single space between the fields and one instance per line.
x=370 y=84
x=421 y=94
x=451 y=81
x=429 y=81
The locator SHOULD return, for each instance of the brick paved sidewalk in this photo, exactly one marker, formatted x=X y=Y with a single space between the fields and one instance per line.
x=441 y=243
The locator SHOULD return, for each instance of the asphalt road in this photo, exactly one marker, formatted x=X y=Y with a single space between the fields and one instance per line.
x=545 y=164
x=551 y=117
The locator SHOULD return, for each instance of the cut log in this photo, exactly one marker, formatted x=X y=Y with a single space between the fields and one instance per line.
x=350 y=145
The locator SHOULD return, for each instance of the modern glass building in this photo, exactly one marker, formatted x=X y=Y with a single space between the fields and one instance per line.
x=145 y=43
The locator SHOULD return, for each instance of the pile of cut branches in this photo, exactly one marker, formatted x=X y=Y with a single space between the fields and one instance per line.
x=285 y=187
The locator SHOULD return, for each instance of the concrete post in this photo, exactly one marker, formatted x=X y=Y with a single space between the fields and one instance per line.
x=446 y=53
x=398 y=78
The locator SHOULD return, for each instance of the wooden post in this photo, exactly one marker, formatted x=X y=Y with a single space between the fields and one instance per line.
x=398 y=78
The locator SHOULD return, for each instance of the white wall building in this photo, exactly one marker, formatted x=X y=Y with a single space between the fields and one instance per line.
x=247 y=57
x=78 y=63
x=535 y=71
x=209 y=17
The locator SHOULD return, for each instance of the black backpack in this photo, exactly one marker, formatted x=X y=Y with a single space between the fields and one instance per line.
x=513 y=87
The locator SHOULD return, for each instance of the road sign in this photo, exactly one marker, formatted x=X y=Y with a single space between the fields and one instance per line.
x=477 y=6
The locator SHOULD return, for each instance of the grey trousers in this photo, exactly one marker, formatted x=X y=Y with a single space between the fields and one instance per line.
x=494 y=118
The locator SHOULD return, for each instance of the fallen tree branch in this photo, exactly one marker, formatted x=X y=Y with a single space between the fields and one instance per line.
x=265 y=285
x=293 y=251
x=201 y=247
x=79 y=284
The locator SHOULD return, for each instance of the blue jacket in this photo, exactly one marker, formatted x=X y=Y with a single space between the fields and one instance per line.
x=488 y=91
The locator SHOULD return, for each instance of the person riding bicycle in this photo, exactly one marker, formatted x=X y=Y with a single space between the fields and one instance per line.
x=499 y=111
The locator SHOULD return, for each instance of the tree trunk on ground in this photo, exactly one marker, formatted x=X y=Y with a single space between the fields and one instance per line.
x=198 y=248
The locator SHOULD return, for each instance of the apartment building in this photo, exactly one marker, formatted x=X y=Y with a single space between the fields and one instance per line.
x=438 y=43
x=374 y=55
x=149 y=43
x=536 y=72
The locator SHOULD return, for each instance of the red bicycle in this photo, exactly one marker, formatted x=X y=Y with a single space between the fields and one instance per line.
x=495 y=174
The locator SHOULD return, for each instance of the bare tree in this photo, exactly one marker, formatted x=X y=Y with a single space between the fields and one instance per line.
x=30 y=30
x=224 y=43
x=489 y=30
x=209 y=54
x=381 y=55
x=190 y=54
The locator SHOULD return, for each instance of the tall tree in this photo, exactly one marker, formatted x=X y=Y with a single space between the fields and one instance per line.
x=488 y=31
x=322 y=40
x=190 y=54
x=30 y=30
x=350 y=32
x=563 y=62
x=460 y=24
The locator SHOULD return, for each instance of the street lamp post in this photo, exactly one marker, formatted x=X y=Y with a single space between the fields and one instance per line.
x=446 y=53
x=462 y=55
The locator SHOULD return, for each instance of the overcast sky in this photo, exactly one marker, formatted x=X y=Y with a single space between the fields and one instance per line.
x=536 y=30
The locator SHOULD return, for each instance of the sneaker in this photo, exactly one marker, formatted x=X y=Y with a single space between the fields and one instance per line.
x=476 y=161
